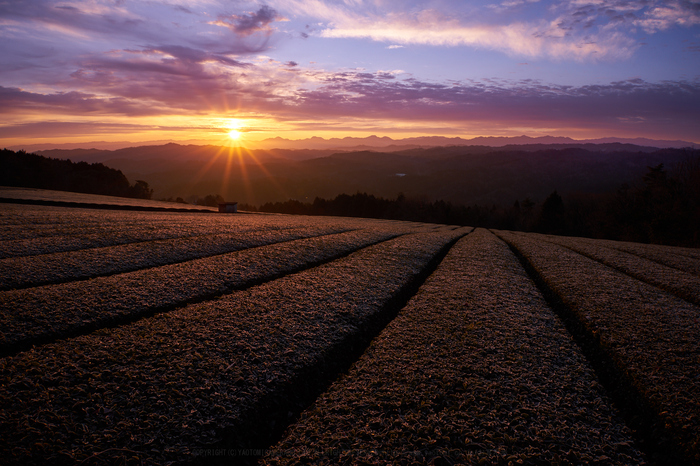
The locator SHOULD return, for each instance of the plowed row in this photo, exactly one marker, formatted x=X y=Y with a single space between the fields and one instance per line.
x=649 y=335
x=191 y=375
x=475 y=369
x=169 y=338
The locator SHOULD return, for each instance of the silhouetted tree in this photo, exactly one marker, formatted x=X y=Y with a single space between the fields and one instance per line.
x=141 y=190
x=551 y=218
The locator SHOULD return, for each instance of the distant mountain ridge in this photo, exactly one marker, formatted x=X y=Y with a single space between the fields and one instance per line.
x=435 y=141
x=128 y=158
x=376 y=142
x=476 y=174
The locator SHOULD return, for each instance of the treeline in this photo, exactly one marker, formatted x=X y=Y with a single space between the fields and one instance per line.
x=661 y=208
x=211 y=200
x=20 y=169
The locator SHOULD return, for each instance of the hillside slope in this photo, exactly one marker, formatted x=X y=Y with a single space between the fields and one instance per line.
x=200 y=338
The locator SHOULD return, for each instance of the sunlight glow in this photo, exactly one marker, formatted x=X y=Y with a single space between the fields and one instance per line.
x=234 y=134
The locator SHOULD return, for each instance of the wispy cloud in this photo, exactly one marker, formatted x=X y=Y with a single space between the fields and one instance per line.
x=574 y=30
x=269 y=90
x=20 y=102
x=501 y=100
x=529 y=40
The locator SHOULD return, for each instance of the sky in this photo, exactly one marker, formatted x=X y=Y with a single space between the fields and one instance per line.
x=237 y=72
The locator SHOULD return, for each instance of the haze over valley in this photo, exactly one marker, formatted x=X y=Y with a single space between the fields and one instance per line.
x=467 y=174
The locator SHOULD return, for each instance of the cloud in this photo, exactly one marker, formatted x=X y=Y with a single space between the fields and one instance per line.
x=522 y=39
x=538 y=38
x=268 y=87
x=668 y=14
x=184 y=66
x=20 y=102
x=267 y=90
x=112 y=51
x=192 y=55
x=624 y=106
x=92 y=27
x=510 y=5
x=57 y=129
x=251 y=23
x=77 y=20
x=581 y=30
x=651 y=15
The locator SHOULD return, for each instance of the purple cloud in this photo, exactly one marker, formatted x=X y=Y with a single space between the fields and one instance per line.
x=627 y=106
x=251 y=23
x=102 y=21
x=60 y=129
x=192 y=55
x=622 y=107
x=14 y=100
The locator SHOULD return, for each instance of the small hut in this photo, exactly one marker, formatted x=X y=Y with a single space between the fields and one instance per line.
x=228 y=207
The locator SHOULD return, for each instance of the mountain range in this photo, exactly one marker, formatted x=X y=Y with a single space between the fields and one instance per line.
x=477 y=174
x=436 y=141
x=375 y=142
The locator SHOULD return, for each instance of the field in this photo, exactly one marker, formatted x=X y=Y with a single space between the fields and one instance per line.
x=164 y=337
x=68 y=199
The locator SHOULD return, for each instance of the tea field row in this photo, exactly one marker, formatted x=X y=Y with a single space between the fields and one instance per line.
x=194 y=338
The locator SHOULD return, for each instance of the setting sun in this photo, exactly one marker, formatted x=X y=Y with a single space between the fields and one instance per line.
x=234 y=134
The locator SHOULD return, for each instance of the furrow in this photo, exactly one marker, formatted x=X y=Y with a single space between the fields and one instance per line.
x=26 y=272
x=62 y=230
x=680 y=283
x=118 y=205
x=684 y=259
x=642 y=341
x=161 y=389
x=39 y=315
x=53 y=198
x=476 y=369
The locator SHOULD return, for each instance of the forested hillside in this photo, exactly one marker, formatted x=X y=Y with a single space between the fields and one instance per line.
x=660 y=207
x=21 y=169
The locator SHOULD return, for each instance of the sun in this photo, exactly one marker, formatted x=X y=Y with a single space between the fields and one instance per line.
x=234 y=134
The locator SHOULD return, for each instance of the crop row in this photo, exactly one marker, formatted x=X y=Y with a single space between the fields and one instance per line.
x=33 y=230
x=686 y=259
x=160 y=388
x=682 y=283
x=68 y=199
x=23 y=272
x=34 y=222
x=40 y=314
x=476 y=369
x=650 y=336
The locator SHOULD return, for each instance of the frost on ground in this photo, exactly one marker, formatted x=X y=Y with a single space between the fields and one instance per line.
x=651 y=335
x=632 y=261
x=475 y=369
x=163 y=386
x=150 y=338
